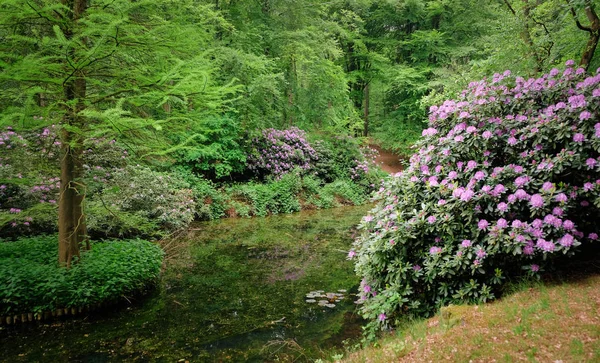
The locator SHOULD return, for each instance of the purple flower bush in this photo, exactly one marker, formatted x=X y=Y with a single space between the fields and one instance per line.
x=278 y=152
x=505 y=181
x=121 y=200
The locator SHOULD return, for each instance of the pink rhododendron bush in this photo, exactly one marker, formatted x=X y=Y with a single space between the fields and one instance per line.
x=505 y=181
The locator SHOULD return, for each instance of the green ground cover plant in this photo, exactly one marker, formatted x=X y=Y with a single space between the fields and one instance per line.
x=31 y=280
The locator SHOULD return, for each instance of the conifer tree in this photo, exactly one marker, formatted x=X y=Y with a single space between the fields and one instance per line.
x=101 y=68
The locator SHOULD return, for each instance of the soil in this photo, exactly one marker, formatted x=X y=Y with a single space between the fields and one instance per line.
x=389 y=162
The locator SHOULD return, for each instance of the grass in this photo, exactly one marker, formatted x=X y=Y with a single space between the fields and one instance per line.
x=538 y=323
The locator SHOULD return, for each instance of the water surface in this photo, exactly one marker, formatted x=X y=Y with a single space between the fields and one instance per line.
x=233 y=290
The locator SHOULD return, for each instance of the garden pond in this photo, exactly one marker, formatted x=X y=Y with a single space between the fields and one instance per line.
x=277 y=288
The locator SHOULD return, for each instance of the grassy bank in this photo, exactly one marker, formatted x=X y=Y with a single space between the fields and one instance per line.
x=539 y=323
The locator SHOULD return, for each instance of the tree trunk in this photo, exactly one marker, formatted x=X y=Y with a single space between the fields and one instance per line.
x=592 y=43
x=366 y=97
x=72 y=230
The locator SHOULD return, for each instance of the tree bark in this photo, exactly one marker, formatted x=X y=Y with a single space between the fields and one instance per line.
x=72 y=230
x=590 y=48
x=593 y=29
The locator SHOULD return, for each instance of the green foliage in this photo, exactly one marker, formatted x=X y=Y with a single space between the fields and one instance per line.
x=32 y=282
x=292 y=193
x=337 y=155
x=140 y=201
x=274 y=197
x=215 y=150
x=210 y=201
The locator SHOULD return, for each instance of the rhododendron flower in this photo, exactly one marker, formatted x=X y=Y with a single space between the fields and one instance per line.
x=544 y=245
x=521 y=194
x=561 y=197
x=535 y=268
x=566 y=240
x=593 y=236
x=585 y=115
x=578 y=137
x=466 y=243
x=467 y=195
x=483 y=224
x=351 y=254
x=591 y=163
x=521 y=181
x=441 y=202
x=481 y=253
x=516 y=224
x=435 y=250
x=502 y=207
x=557 y=211
x=431 y=219
x=502 y=223
x=382 y=317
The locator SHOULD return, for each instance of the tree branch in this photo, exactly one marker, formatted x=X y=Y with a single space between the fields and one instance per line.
x=510 y=8
x=574 y=13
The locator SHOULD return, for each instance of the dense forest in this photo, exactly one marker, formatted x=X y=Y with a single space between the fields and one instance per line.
x=132 y=119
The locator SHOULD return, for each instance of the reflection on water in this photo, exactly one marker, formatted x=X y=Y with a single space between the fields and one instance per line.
x=234 y=290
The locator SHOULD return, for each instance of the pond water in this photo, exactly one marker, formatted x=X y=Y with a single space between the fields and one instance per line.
x=233 y=290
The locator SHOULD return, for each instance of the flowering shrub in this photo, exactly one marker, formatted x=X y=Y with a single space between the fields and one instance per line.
x=141 y=201
x=506 y=180
x=277 y=152
x=115 y=204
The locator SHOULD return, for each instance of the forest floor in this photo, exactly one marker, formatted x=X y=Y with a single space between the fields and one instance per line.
x=387 y=160
x=543 y=322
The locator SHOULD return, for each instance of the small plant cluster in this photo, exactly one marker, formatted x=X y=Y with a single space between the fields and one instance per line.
x=139 y=201
x=32 y=282
x=505 y=181
x=364 y=164
x=121 y=199
x=277 y=152
x=291 y=193
x=330 y=158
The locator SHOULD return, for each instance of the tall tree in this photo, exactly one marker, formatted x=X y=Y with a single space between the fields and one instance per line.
x=104 y=67
x=593 y=29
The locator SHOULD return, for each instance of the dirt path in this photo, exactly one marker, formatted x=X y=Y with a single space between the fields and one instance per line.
x=389 y=162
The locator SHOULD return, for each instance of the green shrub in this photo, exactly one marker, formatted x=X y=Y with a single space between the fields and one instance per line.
x=140 y=201
x=211 y=202
x=344 y=192
x=32 y=281
x=274 y=197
